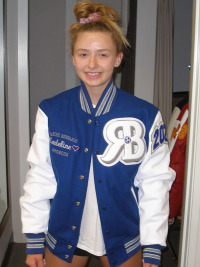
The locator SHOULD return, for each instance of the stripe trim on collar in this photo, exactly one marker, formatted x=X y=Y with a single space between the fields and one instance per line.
x=104 y=101
x=105 y=104
x=84 y=103
x=107 y=109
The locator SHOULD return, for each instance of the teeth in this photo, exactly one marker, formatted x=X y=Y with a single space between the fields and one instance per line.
x=93 y=74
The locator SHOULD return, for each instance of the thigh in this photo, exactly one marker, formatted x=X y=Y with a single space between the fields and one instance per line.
x=52 y=260
x=135 y=261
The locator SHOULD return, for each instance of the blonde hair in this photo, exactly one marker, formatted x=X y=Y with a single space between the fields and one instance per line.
x=107 y=22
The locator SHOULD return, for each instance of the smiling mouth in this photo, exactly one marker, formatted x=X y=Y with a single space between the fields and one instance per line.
x=93 y=74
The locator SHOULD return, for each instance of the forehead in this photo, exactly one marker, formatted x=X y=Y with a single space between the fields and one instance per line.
x=88 y=39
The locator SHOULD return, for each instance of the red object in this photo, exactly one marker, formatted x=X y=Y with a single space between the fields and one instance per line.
x=177 y=161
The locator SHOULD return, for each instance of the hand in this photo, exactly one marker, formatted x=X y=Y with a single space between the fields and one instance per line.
x=35 y=260
x=149 y=265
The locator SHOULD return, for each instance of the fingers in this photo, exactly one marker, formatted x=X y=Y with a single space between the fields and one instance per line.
x=41 y=263
x=35 y=260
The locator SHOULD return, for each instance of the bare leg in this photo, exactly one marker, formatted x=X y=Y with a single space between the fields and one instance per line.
x=135 y=261
x=53 y=261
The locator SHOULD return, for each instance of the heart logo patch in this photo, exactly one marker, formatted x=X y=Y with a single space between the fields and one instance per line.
x=75 y=148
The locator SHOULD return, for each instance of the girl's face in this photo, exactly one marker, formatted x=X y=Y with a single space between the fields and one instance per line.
x=95 y=57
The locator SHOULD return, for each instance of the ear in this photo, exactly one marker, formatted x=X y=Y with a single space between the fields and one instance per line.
x=118 y=59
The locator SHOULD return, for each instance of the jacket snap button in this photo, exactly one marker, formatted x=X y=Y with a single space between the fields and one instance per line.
x=82 y=177
x=107 y=232
x=73 y=227
x=66 y=256
x=97 y=123
x=78 y=203
x=86 y=150
x=69 y=246
x=89 y=121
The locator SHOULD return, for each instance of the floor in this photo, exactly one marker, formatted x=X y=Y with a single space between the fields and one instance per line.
x=16 y=253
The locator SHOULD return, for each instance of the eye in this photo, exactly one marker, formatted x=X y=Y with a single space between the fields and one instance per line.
x=104 y=55
x=82 y=54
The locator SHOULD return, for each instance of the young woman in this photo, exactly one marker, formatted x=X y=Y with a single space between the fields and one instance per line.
x=99 y=177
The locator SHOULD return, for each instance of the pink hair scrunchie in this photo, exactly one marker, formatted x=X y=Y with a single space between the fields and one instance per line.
x=92 y=17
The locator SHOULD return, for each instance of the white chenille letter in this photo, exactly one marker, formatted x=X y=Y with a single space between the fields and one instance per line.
x=125 y=138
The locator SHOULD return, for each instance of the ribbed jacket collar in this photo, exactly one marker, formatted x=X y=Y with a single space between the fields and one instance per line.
x=104 y=103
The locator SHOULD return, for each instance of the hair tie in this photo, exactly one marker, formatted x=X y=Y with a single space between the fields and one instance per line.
x=92 y=17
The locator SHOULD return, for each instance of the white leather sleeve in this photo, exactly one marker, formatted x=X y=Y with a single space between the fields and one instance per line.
x=40 y=185
x=154 y=180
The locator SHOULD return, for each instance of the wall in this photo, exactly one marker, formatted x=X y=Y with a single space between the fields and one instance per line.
x=3 y=174
x=7 y=223
x=146 y=41
x=46 y=51
x=182 y=44
x=18 y=110
x=145 y=49
x=7 y=233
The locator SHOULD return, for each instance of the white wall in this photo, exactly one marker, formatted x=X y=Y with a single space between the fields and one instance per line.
x=18 y=110
x=145 y=49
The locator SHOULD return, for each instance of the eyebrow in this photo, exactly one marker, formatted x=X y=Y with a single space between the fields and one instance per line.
x=99 y=50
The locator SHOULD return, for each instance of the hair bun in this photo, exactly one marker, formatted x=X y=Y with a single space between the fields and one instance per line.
x=84 y=9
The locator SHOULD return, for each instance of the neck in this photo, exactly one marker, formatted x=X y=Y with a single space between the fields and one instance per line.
x=95 y=93
x=94 y=96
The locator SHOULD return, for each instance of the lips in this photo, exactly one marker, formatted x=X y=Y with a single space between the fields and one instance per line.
x=93 y=74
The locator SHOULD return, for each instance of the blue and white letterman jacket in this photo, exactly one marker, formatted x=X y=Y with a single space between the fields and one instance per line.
x=127 y=139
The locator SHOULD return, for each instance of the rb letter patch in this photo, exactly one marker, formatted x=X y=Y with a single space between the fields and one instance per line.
x=126 y=143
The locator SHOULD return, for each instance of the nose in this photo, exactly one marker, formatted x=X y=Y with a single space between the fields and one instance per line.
x=92 y=62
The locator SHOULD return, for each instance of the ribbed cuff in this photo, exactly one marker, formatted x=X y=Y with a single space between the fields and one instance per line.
x=35 y=243
x=152 y=254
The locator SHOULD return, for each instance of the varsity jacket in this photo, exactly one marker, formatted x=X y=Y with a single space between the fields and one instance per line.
x=127 y=139
x=177 y=147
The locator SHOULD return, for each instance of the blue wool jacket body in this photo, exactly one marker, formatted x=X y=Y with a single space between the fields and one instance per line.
x=120 y=134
